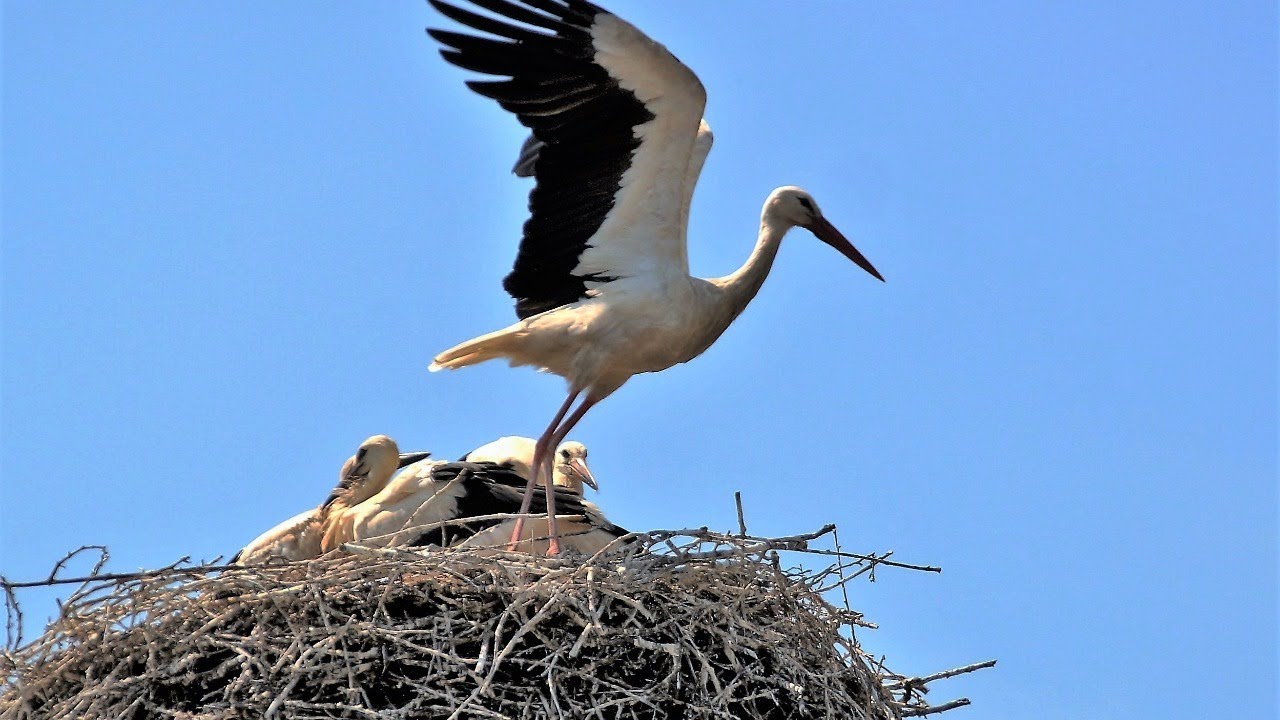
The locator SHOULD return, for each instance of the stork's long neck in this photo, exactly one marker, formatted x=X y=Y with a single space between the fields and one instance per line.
x=741 y=286
x=348 y=494
x=367 y=489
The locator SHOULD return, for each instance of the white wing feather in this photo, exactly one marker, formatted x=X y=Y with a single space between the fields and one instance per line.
x=644 y=233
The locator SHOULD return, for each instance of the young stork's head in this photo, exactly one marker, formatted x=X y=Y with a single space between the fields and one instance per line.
x=364 y=474
x=568 y=466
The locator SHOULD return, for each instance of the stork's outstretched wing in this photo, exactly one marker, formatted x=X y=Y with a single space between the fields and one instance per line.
x=532 y=147
x=616 y=116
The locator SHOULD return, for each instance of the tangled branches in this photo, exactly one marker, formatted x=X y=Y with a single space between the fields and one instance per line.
x=668 y=624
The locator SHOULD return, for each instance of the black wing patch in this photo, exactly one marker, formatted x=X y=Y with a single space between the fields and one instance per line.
x=583 y=119
x=489 y=489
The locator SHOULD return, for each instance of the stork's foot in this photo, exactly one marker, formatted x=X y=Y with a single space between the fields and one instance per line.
x=515 y=535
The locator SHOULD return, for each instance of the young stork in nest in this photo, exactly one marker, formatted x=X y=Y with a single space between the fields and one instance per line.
x=301 y=536
x=569 y=474
x=515 y=453
x=601 y=281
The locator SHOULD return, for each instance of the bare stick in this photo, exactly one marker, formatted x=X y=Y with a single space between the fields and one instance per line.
x=13 y=616
x=876 y=560
x=742 y=524
x=172 y=569
x=102 y=549
x=926 y=679
x=920 y=712
x=844 y=582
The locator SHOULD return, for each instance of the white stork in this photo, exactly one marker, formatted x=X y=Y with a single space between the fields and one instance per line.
x=586 y=535
x=569 y=465
x=299 y=537
x=569 y=472
x=601 y=280
x=371 y=468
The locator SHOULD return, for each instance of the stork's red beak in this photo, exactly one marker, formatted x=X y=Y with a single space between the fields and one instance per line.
x=828 y=234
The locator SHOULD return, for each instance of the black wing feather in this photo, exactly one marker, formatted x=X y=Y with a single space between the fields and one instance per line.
x=490 y=489
x=584 y=119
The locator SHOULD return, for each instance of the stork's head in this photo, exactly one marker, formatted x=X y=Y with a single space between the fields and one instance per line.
x=376 y=456
x=796 y=207
x=366 y=472
x=568 y=466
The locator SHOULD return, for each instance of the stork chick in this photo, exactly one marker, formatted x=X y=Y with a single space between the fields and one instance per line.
x=371 y=469
x=300 y=537
x=569 y=463
x=568 y=473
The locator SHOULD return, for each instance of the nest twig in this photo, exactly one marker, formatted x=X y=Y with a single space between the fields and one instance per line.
x=666 y=624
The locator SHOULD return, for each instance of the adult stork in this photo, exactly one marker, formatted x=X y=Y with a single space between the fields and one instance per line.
x=601 y=280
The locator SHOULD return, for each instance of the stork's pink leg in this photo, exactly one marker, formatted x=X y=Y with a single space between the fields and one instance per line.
x=553 y=545
x=539 y=452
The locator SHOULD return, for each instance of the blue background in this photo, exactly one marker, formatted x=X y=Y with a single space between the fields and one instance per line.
x=236 y=233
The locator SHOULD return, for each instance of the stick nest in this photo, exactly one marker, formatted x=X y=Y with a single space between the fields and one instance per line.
x=686 y=624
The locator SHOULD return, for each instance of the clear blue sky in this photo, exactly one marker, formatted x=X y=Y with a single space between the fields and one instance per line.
x=236 y=233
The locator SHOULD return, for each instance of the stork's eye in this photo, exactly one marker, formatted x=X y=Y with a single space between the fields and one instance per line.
x=360 y=454
x=804 y=203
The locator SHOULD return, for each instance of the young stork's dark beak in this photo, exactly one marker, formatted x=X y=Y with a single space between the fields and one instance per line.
x=410 y=458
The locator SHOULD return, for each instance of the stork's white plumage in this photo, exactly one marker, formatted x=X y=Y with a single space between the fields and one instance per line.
x=364 y=475
x=297 y=538
x=601 y=281
x=301 y=536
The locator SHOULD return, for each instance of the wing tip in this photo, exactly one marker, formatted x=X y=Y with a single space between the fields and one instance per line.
x=444 y=37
